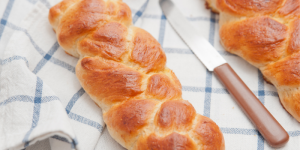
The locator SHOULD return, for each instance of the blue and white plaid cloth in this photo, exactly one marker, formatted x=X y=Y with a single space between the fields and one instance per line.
x=42 y=100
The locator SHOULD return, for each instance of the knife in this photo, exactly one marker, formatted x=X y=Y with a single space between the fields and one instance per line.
x=262 y=119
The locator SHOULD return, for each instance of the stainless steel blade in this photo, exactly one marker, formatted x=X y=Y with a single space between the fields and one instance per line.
x=199 y=45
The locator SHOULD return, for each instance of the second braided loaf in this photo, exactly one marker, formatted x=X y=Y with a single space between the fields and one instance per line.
x=267 y=35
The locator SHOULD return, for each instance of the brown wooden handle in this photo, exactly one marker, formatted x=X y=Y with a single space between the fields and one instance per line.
x=266 y=124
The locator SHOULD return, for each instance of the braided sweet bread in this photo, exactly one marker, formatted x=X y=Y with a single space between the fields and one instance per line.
x=123 y=69
x=267 y=35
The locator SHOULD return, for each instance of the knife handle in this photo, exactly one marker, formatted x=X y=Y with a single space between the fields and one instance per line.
x=266 y=124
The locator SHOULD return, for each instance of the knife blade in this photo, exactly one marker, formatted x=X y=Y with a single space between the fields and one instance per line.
x=207 y=55
x=262 y=119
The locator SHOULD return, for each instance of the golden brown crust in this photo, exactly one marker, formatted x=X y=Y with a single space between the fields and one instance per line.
x=129 y=118
x=84 y=17
x=173 y=141
x=294 y=43
x=56 y=11
x=285 y=72
x=109 y=81
x=259 y=40
x=176 y=114
x=161 y=87
x=119 y=12
x=290 y=99
x=249 y=7
x=79 y=20
x=290 y=9
x=108 y=41
x=147 y=52
x=123 y=69
x=209 y=134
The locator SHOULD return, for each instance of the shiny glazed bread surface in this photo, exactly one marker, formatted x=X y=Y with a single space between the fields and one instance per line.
x=123 y=69
x=267 y=35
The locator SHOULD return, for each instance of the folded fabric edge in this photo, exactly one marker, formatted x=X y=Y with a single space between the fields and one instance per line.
x=59 y=134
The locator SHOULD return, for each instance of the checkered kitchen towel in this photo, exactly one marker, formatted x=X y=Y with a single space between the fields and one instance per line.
x=41 y=98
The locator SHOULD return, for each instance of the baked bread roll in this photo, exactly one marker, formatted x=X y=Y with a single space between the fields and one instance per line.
x=123 y=69
x=267 y=35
